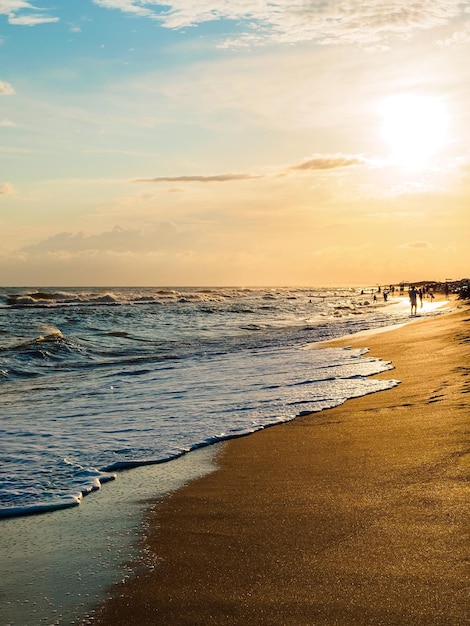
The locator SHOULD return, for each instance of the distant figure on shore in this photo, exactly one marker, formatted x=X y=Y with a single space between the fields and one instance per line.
x=420 y=294
x=413 y=294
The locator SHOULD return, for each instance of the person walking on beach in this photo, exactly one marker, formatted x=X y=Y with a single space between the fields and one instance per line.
x=413 y=298
x=420 y=294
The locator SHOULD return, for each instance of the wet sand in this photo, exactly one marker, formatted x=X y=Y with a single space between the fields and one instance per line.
x=357 y=515
x=56 y=567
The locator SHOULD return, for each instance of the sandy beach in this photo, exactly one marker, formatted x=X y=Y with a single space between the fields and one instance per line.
x=357 y=515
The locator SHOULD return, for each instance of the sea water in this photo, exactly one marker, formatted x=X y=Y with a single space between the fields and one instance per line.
x=94 y=382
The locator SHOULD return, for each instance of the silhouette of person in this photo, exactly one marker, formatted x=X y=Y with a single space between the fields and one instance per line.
x=420 y=294
x=413 y=294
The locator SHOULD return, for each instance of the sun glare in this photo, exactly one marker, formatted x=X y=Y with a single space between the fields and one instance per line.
x=415 y=128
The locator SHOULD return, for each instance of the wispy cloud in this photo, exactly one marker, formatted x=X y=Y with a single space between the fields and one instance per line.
x=332 y=21
x=9 y=150
x=216 y=178
x=131 y=153
x=458 y=38
x=417 y=245
x=6 y=89
x=120 y=240
x=328 y=162
x=33 y=19
x=23 y=13
x=6 y=189
x=317 y=162
x=6 y=123
x=368 y=22
x=328 y=22
x=130 y=6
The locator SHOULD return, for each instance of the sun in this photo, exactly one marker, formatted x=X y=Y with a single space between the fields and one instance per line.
x=415 y=128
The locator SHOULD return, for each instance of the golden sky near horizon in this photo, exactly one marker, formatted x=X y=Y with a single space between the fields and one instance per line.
x=241 y=143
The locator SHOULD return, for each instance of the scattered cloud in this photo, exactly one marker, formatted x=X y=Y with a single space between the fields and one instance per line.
x=417 y=245
x=367 y=22
x=130 y=6
x=6 y=89
x=328 y=22
x=6 y=189
x=458 y=38
x=410 y=187
x=328 y=162
x=23 y=13
x=32 y=20
x=163 y=236
x=6 y=123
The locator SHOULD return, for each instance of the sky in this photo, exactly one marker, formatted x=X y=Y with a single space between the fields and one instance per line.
x=234 y=142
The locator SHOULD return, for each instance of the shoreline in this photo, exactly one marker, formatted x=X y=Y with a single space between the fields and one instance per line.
x=57 y=566
x=354 y=515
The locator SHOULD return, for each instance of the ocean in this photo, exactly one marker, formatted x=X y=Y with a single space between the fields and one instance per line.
x=96 y=382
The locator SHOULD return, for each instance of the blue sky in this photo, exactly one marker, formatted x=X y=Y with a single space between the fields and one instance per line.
x=240 y=142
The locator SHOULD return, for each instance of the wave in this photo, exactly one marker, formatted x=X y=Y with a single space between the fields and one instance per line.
x=35 y=363
x=55 y=299
x=91 y=480
x=109 y=472
x=48 y=352
x=118 y=333
x=85 y=480
x=37 y=509
x=129 y=296
x=51 y=344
